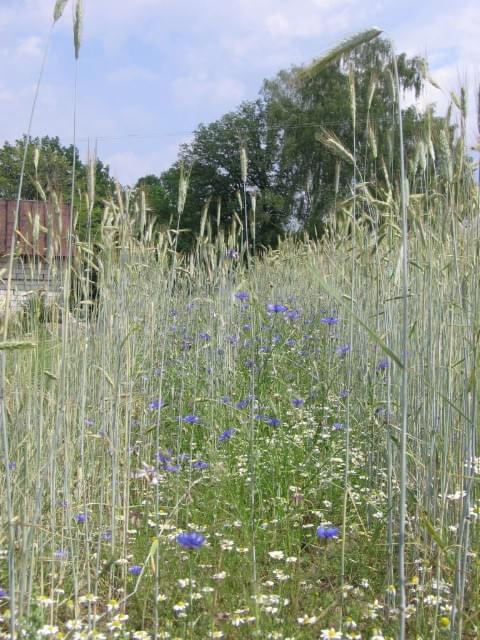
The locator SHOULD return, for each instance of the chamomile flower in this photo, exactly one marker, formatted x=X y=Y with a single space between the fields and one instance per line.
x=330 y=634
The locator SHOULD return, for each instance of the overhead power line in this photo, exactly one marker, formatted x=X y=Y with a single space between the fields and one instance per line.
x=279 y=127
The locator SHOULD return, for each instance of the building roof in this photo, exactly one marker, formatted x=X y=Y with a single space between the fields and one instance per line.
x=52 y=226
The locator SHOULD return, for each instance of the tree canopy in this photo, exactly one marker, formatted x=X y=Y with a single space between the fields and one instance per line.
x=297 y=179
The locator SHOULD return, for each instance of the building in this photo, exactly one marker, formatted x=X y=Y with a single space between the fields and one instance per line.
x=40 y=248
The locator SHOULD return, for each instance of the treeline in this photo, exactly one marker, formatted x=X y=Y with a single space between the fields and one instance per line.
x=295 y=180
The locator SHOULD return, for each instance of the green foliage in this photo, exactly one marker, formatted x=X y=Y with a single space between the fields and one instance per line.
x=159 y=202
x=298 y=181
x=300 y=105
x=214 y=158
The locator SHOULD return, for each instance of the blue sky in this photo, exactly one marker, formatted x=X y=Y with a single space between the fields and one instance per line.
x=151 y=70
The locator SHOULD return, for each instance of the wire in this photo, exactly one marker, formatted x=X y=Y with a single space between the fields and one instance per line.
x=279 y=127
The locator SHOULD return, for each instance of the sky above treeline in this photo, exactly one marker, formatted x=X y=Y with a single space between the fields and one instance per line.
x=150 y=71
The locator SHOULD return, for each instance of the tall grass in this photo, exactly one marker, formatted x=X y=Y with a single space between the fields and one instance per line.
x=261 y=403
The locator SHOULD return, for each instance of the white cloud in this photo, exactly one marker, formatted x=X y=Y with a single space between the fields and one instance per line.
x=449 y=40
x=132 y=74
x=325 y=18
x=31 y=47
x=127 y=166
x=277 y=25
x=194 y=90
x=5 y=95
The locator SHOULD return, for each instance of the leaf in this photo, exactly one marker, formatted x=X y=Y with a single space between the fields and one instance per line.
x=14 y=346
x=151 y=555
x=433 y=532
x=412 y=329
x=376 y=338
x=107 y=377
x=58 y=10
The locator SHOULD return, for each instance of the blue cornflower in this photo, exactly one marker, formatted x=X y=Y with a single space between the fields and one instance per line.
x=162 y=457
x=293 y=314
x=329 y=320
x=190 y=419
x=226 y=435
x=276 y=308
x=135 y=570
x=200 y=464
x=3 y=593
x=298 y=402
x=382 y=365
x=343 y=393
x=80 y=518
x=328 y=532
x=337 y=426
x=60 y=554
x=204 y=336
x=291 y=342
x=272 y=422
x=232 y=254
x=242 y=404
x=106 y=536
x=226 y=400
x=191 y=540
x=342 y=350
x=172 y=468
x=87 y=422
x=158 y=403
x=242 y=296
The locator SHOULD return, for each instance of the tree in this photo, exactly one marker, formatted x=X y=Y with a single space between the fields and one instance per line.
x=213 y=163
x=157 y=198
x=312 y=177
x=299 y=181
